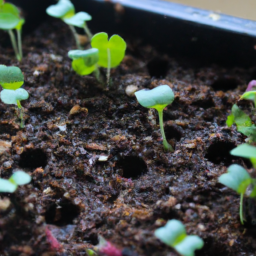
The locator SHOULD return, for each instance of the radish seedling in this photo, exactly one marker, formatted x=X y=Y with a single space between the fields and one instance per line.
x=10 y=19
x=157 y=98
x=245 y=151
x=238 y=179
x=174 y=235
x=79 y=20
x=250 y=93
x=11 y=79
x=243 y=123
x=85 y=61
x=17 y=179
x=65 y=10
x=111 y=52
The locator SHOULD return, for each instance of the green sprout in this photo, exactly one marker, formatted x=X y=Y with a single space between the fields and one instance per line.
x=157 y=98
x=11 y=79
x=65 y=10
x=174 y=234
x=17 y=179
x=79 y=20
x=238 y=179
x=245 y=151
x=10 y=19
x=85 y=61
x=111 y=52
x=243 y=122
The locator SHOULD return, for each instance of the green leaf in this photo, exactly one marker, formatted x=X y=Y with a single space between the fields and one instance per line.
x=20 y=24
x=20 y=178
x=78 y=19
x=248 y=95
x=63 y=9
x=237 y=178
x=157 y=98
x=171 y=233
x=241 y=119
x=246 y=151
x=6 y=186
x=81 y=69
x=174 y=235
x=8 y=21
x=230 y=120
x=115 y=46
x=90 y=57
x=12 y=96
x=188 y=246
x=11 y=77
x=10 y=8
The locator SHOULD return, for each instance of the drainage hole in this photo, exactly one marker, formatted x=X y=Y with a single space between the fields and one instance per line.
x=33 y=158
x=62 y=214
x=219 y=151
x=131 y=167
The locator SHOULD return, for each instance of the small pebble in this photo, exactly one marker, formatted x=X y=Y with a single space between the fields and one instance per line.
x=130 y=90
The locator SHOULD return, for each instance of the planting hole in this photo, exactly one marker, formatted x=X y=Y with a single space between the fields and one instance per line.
x=219 y=151
x=225 y=84
x=61 y=214
x=158 y=67
x=173 y=132
x=131 y=166
x=33 y=158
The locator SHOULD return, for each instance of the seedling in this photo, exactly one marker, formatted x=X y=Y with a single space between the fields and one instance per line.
x=17 y=179
x=245 y=151
x=11 y=79
x=250 y=93
x=10 y=19
x=111 y=52
x=79 y=20
x=157 y=98
x=174 y=234
x=85 y=61
x=243 y=122
x=238 y=179
x=65 y=10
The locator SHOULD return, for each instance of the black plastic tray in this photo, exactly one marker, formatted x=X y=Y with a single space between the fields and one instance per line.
x=178 y=30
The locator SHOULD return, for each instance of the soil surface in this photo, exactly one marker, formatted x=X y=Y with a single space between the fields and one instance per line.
x=96 y=157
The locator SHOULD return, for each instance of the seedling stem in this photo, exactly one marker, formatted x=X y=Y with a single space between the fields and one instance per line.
x=166 y=145
x=109 y=66
x=21 y=114
x=19 y=42
x=75 y=36
x=87 y=31
x=241 y=209
x=14 y=44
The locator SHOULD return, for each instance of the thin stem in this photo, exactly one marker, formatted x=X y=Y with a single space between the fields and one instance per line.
x=97 y=73
x=87 y=31
x=167 y=146
x=19 y=43
x=14 y=44
x=21 y=114
x=109 y=67
x=241 y=209
x=75 y=36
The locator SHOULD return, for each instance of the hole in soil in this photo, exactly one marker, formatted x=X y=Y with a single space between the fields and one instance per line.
x=206 y=103
x=62 y=214
x=173 y=132
x=158 y=67
x=33 y=158
x=131 y=166
x=7 y=128
x=225 y=84
x=220 y=151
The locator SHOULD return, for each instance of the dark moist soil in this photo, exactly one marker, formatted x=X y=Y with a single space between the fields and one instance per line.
x=71 y=123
